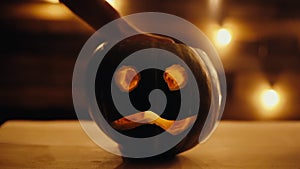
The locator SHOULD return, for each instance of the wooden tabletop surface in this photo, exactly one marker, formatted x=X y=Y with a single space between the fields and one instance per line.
x=63 y=144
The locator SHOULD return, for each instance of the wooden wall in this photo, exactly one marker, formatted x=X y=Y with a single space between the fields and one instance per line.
x=40 y=43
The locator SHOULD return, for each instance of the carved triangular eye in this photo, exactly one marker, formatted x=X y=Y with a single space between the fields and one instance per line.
x=176 y=77
x=127 y=78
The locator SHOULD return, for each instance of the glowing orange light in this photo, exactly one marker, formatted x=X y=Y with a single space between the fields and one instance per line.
x=175 y=77
x=113 y=3
x=45 y=11
x=52 y=1
x=127 y=78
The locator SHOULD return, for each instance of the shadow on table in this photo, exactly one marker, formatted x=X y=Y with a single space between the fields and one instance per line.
x=174 y=163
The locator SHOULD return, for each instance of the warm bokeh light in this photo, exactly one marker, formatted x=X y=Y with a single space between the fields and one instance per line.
x=114 y=3
x=270 y=98
x=268 y=101
x=214 y=6
x=223 y=37
x=52 y=1
x=43 y=11
x=214 y=3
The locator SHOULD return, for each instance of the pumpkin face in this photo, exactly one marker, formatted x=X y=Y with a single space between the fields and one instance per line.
x=172 y=80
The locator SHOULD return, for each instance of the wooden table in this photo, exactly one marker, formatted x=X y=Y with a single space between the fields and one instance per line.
x=63 y=144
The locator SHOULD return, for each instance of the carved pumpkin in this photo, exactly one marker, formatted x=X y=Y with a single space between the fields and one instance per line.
x=172 y=80
x=138 y=85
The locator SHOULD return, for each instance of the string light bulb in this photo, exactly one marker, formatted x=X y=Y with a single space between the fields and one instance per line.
x=223 y=37
x=270 y=98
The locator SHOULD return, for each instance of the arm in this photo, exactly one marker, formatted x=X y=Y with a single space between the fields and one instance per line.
x=96 y=13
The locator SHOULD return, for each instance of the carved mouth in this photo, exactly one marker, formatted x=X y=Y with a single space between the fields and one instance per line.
x=173 y=127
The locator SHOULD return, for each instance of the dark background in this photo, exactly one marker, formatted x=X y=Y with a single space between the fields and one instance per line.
x=40 y=41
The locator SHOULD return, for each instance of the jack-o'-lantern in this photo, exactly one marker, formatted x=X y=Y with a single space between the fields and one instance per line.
x=173 y=80
x=183 y=72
